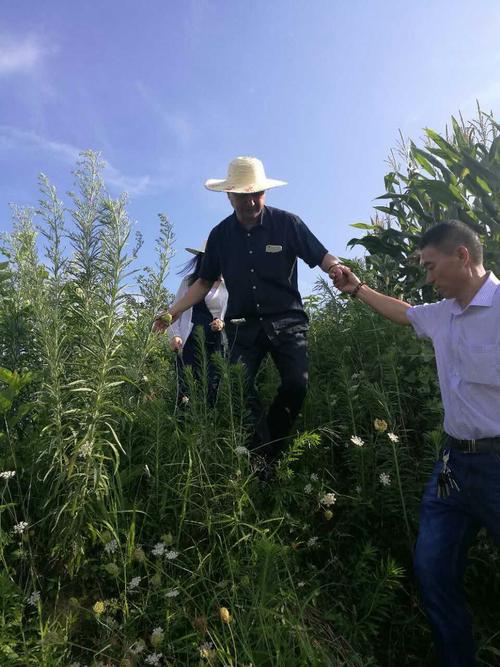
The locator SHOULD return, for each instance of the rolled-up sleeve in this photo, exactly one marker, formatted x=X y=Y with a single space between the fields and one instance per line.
x=306 y=245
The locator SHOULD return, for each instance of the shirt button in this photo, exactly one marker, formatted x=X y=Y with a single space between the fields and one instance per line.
x=258 y=305
x=254 y=286
x=252 y=270
x=260 y=319
x=250 y=252
x=248 y=234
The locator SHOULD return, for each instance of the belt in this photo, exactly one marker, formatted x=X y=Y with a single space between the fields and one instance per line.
x=481 y=446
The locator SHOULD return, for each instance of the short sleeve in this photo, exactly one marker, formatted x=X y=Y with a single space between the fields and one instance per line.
x=306 y=245
x=210 y=267
x=425 y=319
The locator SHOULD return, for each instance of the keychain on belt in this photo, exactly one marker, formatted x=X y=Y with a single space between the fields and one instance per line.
x=446 y=482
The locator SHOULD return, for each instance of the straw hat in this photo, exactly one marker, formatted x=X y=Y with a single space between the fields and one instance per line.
x=198 y=251
x=244 y=175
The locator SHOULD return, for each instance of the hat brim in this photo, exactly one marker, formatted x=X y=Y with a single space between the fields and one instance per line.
x=224 y=185
x=195 y=251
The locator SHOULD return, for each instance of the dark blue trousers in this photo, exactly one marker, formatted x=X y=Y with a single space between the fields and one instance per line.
x=447 y=529
x=288 y=350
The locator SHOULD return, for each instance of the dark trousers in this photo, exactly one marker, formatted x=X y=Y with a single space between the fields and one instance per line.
x=288 y=350
x=189 y=357
x=447 y=528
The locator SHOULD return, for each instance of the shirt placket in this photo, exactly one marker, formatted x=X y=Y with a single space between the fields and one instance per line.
x=252 y=259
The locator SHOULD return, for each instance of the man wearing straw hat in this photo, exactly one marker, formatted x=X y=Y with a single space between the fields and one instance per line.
x=256 y=250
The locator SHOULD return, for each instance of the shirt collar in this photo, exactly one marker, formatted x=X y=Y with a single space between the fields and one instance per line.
x=484 y=295
x=264 y=220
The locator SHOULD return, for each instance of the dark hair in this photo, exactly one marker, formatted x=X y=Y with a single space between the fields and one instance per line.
x=447 y=236
x=191 y=268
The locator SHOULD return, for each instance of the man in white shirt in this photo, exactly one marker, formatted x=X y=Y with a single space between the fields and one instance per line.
x=463 y=493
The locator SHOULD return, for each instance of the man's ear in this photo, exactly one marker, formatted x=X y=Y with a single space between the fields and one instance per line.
x=463 y=254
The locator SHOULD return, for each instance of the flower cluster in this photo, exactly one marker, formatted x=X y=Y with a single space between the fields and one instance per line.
x=111 y=546
x=385 y=479
x=173 y=593
x=329 y=499
x=7 y=474
x=356 y=440
x=157 y=637
x=134 y=583
x=33 y=599
x=380 y=425
x=158 y=549
x=20 y=527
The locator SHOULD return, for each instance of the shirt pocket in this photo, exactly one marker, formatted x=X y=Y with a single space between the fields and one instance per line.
x=481 y=364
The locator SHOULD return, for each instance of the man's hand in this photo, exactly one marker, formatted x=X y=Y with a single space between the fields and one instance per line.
x=344 y=279
x=176 y=344
x=217 y=324
x=333 y=269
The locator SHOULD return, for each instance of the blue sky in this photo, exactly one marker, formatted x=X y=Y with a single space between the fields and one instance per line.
x=169 y=92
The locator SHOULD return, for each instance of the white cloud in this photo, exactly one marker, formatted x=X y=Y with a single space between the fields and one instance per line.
x=12 y=138
x=19 y=56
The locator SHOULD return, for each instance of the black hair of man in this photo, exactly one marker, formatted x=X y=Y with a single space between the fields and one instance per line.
x=449 y=235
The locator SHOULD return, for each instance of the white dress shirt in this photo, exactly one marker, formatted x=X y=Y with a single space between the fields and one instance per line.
x=467 y=347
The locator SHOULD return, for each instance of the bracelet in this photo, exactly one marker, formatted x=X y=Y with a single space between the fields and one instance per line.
x=355 y=291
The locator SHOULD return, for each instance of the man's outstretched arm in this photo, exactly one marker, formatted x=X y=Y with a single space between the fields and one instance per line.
x=387 y=306
x=196 y=293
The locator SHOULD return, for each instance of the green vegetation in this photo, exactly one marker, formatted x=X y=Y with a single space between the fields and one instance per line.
x=130 y=529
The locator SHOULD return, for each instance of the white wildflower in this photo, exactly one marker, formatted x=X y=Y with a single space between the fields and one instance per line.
x=314 y=477
x=171 y=555
x=7 y=474
x=134 y=583
x=158 y=549
x=385 y=479
x=329 y=499
x=358 y=489
x=20 y=527
x=34 y=599
x=111 y=547
x=308 y=488
x=157 y=637
x=301 y=584
x=85 y=450
x=241 y=451
x=311 y=542
x=153 y=659
x=173 y=593
x=393 y=437
x=206 y=650
x=138 y=647
x=185 y=400
x=356 y=440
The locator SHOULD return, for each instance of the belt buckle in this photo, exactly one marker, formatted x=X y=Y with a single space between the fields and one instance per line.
x=471 y=446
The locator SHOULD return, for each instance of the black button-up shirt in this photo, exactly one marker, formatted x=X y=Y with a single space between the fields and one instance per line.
x=260 y=265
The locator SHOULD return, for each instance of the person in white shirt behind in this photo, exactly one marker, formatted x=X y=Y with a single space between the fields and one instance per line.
x=208 y=314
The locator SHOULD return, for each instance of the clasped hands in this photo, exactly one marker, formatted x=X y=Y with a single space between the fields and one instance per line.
x=343 y=278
